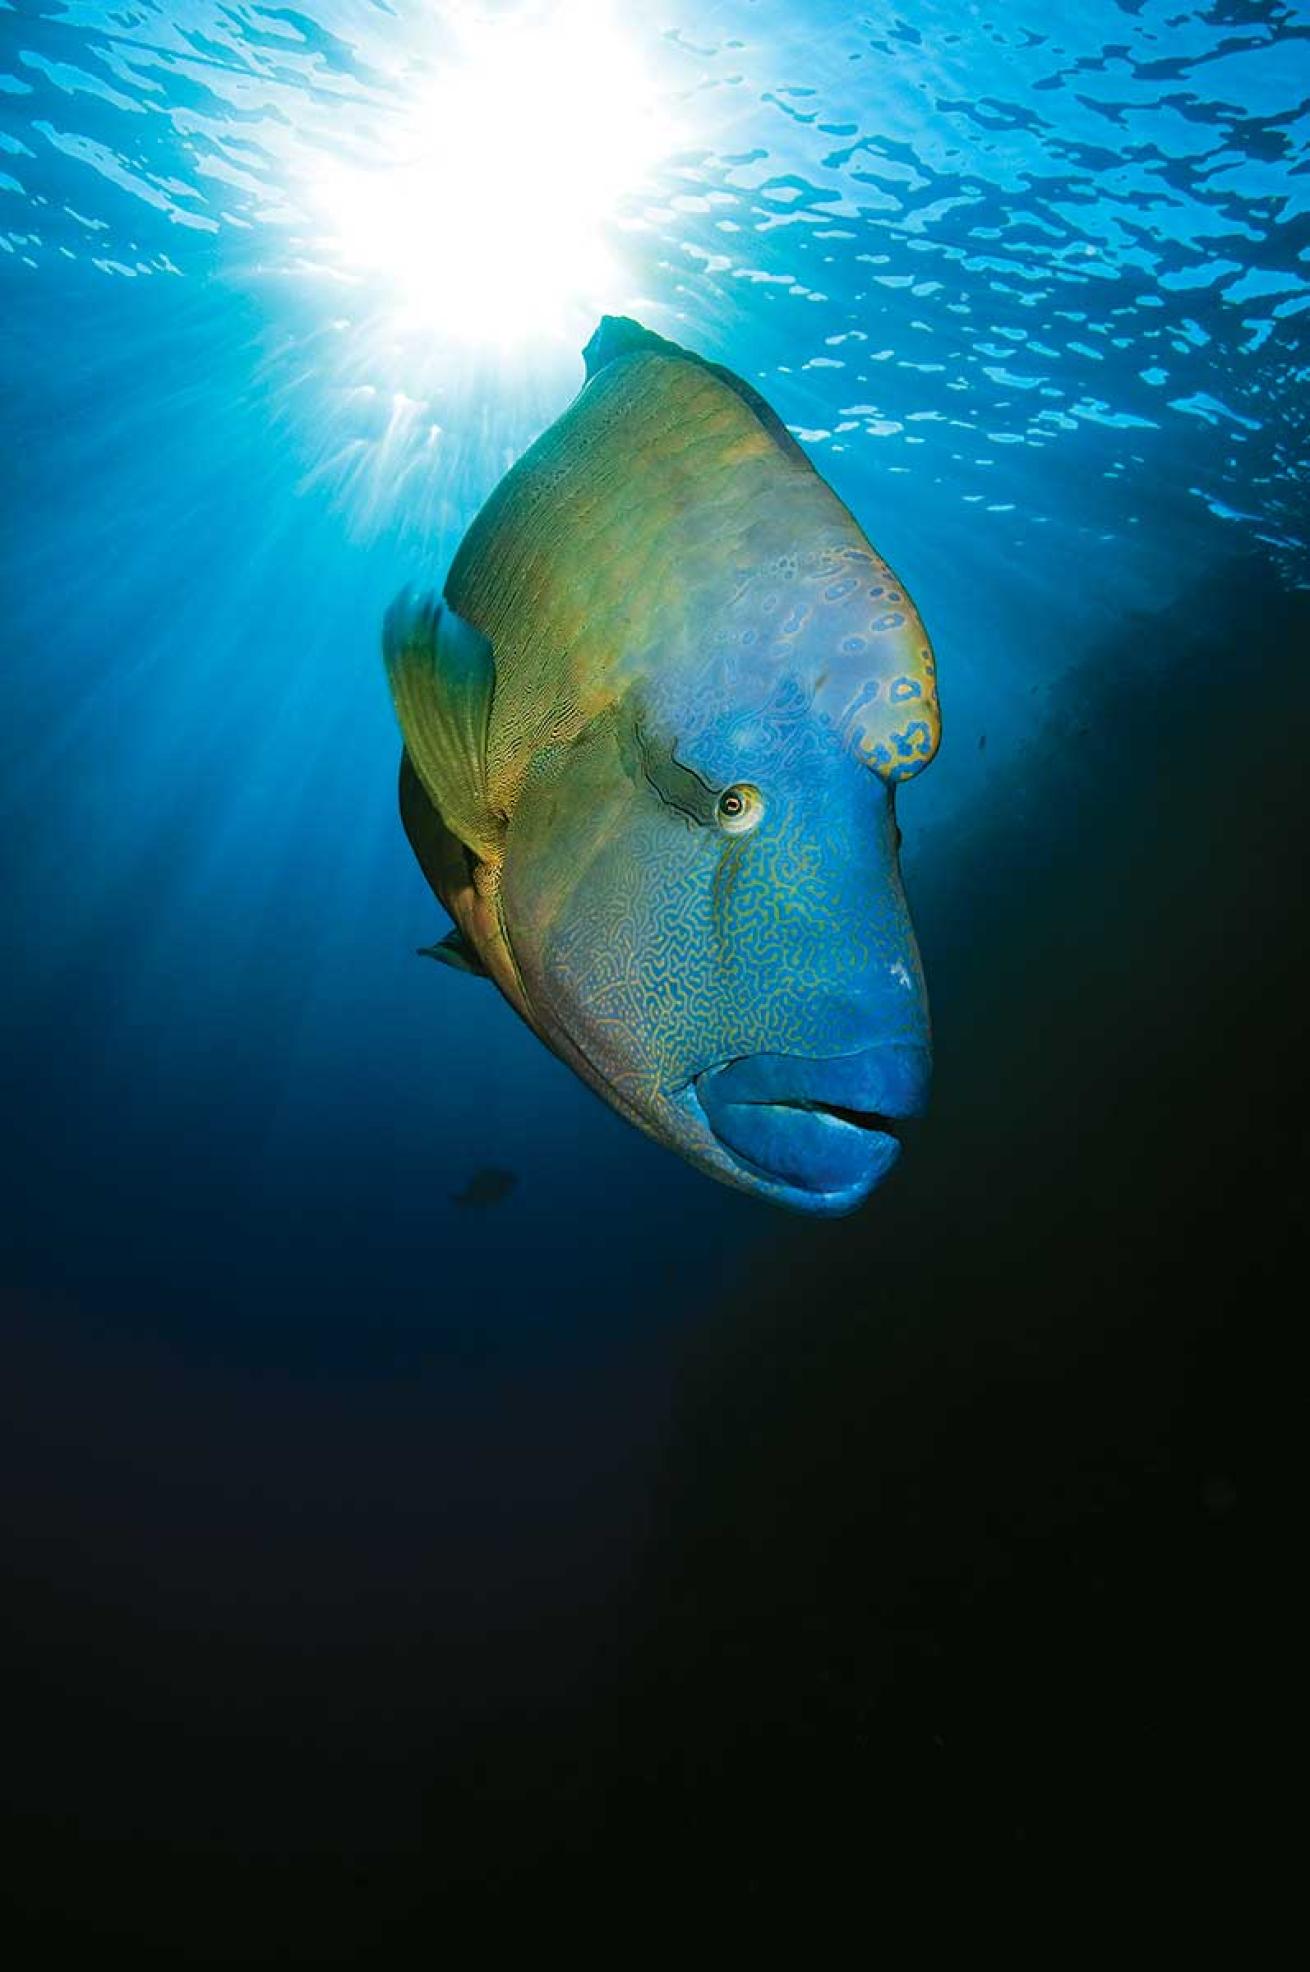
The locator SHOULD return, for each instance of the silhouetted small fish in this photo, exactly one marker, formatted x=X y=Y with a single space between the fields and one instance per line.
x=488 y=1186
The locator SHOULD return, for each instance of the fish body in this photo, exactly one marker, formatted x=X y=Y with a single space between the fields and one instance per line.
x=653 y=730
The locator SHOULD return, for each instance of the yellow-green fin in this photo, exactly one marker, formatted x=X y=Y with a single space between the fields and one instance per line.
x=619 y=335
x=442 y=676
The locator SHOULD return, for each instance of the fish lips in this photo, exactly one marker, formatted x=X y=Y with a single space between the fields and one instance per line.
x=823 y=1131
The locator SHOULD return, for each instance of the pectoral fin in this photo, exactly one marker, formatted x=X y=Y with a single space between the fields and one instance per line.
x=442 y=678
x=454 y=950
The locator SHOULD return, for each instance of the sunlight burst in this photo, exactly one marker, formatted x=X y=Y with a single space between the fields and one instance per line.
x=486 y=208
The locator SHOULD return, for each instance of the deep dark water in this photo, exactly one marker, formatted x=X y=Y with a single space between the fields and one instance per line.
x=929 y=1547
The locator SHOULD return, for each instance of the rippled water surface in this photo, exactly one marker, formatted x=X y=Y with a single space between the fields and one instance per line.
x=938 y=236
x=282 y=291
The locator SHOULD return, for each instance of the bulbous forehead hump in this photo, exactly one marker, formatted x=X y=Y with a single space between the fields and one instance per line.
x=837 y=621
x=668 y=532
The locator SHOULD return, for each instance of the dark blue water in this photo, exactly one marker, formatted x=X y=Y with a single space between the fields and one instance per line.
x=310 y=1452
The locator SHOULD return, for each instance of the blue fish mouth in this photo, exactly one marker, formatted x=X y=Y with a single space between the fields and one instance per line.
x=820 y=1133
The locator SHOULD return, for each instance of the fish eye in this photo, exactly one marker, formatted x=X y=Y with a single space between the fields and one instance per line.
x=739 y=808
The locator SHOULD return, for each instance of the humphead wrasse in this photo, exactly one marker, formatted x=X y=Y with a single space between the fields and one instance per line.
x=653 y=731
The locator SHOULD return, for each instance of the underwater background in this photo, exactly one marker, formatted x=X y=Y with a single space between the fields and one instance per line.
x=417 y=1483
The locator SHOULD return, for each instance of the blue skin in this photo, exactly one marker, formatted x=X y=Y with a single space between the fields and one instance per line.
x=755 y=1000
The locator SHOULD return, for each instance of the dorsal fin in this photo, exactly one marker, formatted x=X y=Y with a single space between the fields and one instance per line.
x=619 y=335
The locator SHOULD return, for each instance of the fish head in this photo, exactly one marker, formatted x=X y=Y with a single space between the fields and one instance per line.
x=702 y=890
